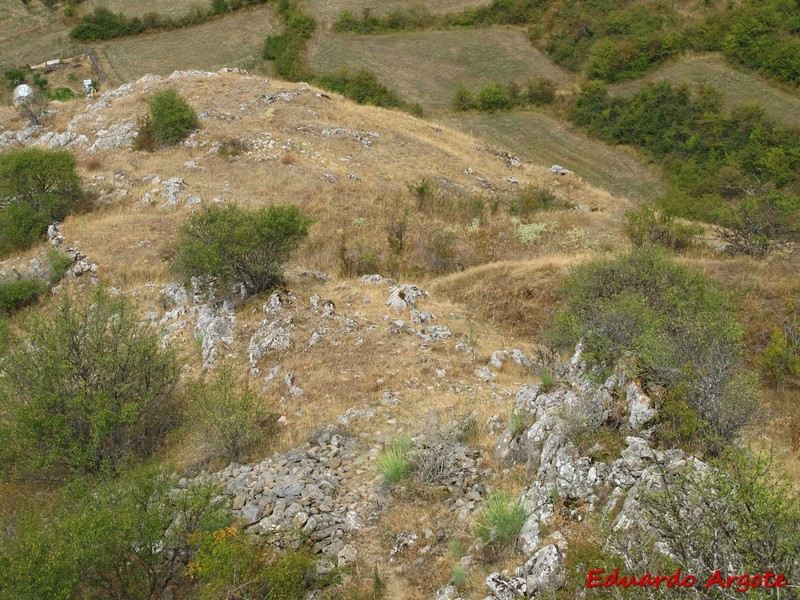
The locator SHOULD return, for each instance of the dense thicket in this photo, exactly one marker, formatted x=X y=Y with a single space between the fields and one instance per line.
x=739 y=170
x=89 y=388
x=668 y=325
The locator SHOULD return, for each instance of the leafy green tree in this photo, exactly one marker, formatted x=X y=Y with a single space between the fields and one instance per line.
x=40 y=186
x=126 y=538
x=235 y=245
x=91 y=387
x=44 y=179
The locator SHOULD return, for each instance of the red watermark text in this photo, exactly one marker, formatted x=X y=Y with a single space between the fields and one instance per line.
x=598 y=578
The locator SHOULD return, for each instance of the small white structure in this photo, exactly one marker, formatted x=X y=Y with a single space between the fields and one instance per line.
x=88 y=86
x=23 y=93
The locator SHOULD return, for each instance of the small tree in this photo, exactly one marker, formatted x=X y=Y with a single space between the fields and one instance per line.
x=37 y=187
x=235 y=245
x=671 y=325
x=91 y=387
x=170 y=120
x=227 y=411
x=125 y=538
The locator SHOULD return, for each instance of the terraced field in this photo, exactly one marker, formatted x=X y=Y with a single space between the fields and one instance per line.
x=229 y=42
x=539 y=138
x=328 y=11
x=427 y=66
x=168 y=8
x=739 y=86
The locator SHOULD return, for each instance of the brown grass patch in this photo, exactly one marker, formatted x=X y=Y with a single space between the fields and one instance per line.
x=518 y=296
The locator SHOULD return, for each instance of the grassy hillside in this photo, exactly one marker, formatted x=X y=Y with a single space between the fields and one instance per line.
x=427 y=66
x=739 y=86
x=545 y=139
x=328 y=11
x=229 y=42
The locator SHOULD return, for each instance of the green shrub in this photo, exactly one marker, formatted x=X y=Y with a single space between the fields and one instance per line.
x=219 y=7
x=21 y=226
x=287 y=49
x=240 y=246
x=18 y=294
x=501 y=519
x=646 y=226
x=92 y=388
x=44 y=179
x=229 y=564
x=227 y=412
x=393 y=462
x=43 y=187
x=728 y=509
x=125 y=538
x=494 y=97
x=540 y=91
x=102 y=24
x=59 y=265
x=758 y=224
x=15 y=77
x=669 y=325
x=364 y=88
x=62 y=94
x=463 y=99
x=171 y=118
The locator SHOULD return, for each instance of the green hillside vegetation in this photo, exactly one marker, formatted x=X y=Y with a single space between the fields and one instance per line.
x=618 y=40
x=739 y=170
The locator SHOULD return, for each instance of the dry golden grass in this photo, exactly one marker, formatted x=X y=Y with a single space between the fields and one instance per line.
x=519 y=296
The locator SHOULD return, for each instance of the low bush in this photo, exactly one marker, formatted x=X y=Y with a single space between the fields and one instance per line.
x=15 y=295
x=669 y=325
x=718 y=518
x=228 y=563
x=646 y=226
x=170 y=120
x=227 y=412
x=235 y=245
x=124 y=538
x=92 y=388
x=501 y=519
x=498 y=96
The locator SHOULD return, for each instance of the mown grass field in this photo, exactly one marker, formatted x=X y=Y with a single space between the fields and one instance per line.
x=328 y=11
x=228 y=42
x=540 y=138
x=167 y=8
x=428 y=66
x=739 y=86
